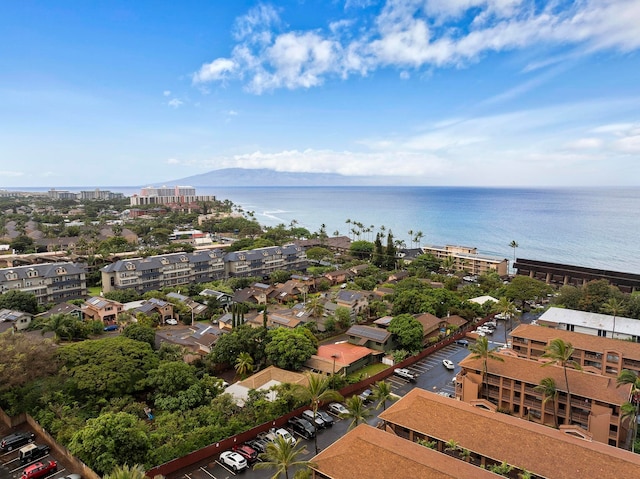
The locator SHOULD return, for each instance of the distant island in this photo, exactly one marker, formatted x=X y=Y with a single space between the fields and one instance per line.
x=266 y=177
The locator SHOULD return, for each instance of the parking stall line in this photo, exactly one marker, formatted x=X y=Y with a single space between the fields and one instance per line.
x=207 y=472
x=223 y=467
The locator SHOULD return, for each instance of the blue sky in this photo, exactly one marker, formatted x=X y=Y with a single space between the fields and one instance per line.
x=446 y=92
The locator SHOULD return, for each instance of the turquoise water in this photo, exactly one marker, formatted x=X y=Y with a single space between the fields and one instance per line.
x=587 y=227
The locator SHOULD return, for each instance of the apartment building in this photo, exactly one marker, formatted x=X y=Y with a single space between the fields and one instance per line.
x=483 y=438
x=466 y=258
x=595 y=354
x=595 y=399
x=168 y=195
x=596 y=324
x=156 y=272
x=50 y=282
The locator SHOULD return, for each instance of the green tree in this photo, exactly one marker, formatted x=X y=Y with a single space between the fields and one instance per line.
x=19 y=301
x=140 y=332
x=390 y=253
x=61 y=325
x=23 y=244
x=559 y=353
x=343 y=316
x=514 y=244
x=244 y=338
x=125 y=472
x=318 y=253
x=281 y=455
x=407 y=331
x=289 y=348
x=170 y=377
x=361 y=249
x=382 y=393
x=524 y=288
x=244 y=364
x=481 y=350
x=549 y=392
x=24 y=360
x=508 y=310
x=318 y=390
x=357 y=411
x=614 y=307
x=111 y=439
x=629 y=377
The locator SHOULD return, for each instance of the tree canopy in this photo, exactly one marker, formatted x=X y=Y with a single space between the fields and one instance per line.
x=407 y=331
x=19 y=301
x=289 y=348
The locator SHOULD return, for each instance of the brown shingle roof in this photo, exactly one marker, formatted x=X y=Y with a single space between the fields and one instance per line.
x=540 y=449
x=369 y=452
x=581 y=341
x=588 y=385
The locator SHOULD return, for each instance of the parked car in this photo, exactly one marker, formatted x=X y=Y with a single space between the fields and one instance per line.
x=18 y=439
x=337 y=408
x=404 y=374
x=39 y=469
x=32 y=451
x=462 y=342
x=302 y=426
x=275 y=433
x=111 y=327
x=171 y=321
x=327 y=418
x=258 y=444
x=366 y=396
x=308 y=415
x=73 y=476
x=234 y=461
x=448 y=364
x=246 y=451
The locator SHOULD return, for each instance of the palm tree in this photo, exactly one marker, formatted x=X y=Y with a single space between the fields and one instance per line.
x=244 y=364
x=382 y=393
x=358 y=412
x=419 y=235
x=629 y=377
x=614 y=307
x=549 y=392
x=125 y=472
x=282 y=455
x=481 y=350
x=61 y=325
x=628 y=412
x=507 y=309
x=559 y=352
x=410 y=233
x=318 y=390
x=514 y=244
x=315 y=307
x=451 y=446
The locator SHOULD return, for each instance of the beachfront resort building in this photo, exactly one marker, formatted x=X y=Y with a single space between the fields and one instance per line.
x=467 y=259
x=171 y=196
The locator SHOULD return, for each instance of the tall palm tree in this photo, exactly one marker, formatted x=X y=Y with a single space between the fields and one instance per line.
x=549 y=392
x=629 y=377
x=410 y=233
x=514 y=244
x=382 y=393
x=315 y=307
x=481 y=350
x=318 y=390
x=418 y=237
x=244 y=364
x=61 y=325
x=559 y=352
x=628 y=412
x=507 y=309
x=614 y=307
x=125 y=472
x=282 y=455
x=358 y=412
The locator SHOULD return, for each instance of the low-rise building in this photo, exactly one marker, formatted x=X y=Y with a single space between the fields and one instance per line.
x=16 y=320
x=596 y=324
x=374 y=338
x=50 y=282
x=466 y=258
x=102 y=309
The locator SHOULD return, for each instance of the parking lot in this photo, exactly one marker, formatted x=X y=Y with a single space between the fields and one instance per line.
x=10 y=466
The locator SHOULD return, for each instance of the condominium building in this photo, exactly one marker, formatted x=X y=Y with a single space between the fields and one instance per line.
x=596 y=324
x=483 y=438
x=510 y=385
x=156 y=272
x=594 y=354
x=50 y=282
x=168 y=195
x=466 y=258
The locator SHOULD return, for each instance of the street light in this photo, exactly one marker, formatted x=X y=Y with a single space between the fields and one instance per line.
x=333 y=376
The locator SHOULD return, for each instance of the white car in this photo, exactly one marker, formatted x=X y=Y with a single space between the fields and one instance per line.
x=172 y=321
x=448 y=364
x=234 y=461
x=286 y=435
x=337 y=409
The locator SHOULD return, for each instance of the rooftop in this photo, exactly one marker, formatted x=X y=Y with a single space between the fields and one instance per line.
x=591 y=320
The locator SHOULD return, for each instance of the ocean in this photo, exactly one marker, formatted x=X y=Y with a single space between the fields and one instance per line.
x=592 y=227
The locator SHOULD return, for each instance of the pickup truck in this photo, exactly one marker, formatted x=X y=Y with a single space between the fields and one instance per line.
x=404 y=374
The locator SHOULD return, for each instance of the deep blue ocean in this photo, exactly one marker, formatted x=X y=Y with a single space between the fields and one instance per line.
x=594 y=227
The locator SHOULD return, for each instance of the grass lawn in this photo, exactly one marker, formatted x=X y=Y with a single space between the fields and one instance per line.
x=94 y=290
x=368 y=371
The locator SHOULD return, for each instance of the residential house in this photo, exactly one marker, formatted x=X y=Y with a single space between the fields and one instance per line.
x=356 y=302
x=49 y=282
x=594 y=354
x=197 y=339
x=341 y=358
x=264 y=380
x=595 y=400
x=289 y=291
x=373 y=338
x=337 y=244
x=257 y=293
x=16 y=320
x=152 y=306
x=64 y=308
x=359 y=269
x=339 y=276
x=596 y=324
x=223 y=299
x=398 y=276
x=102 y=309
x=195 y=307
x=489 y=438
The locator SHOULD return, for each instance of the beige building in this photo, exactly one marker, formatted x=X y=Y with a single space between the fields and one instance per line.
x=595 y=399
x=50 y=283
x=468 y=260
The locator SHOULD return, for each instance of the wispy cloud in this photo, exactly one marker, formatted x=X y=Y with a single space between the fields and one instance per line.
x=415 y=34
x=11 y=174
x=175 y=103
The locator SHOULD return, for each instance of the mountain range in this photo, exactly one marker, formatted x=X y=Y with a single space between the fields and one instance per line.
x=267 y=177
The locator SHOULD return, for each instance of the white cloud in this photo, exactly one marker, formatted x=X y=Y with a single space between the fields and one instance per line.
x=585 y=143
x=173 y=161
x=11 y=174
x=175 y=103
x=167 y=93
x=416 y=34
